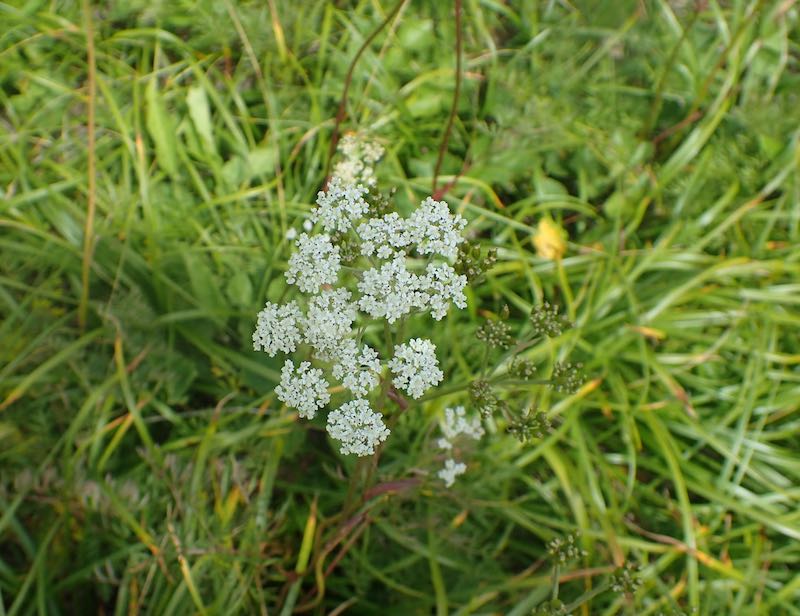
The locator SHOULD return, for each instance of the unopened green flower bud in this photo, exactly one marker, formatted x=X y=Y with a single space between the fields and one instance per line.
x=483 y=397
x=532 y=425
x=565 y=549
x=349 y=249
x=521 y=368
x=496 y=334
x=547 y=321
x=472 y=263
x=625 y=579
x=566 y=377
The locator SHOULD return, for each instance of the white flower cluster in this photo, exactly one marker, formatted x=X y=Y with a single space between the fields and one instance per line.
x=435 y=230
x=278 y=328
x=358 y=371
x=315 y=263
x=385 y=236
x=357 y=268
x=304 y=389
x=359 y=155
x=455 y=424
x=329 y=321
x=392 y=291
x=357 y=427
x=340 y=205
x=415 y=367
x=451 y=470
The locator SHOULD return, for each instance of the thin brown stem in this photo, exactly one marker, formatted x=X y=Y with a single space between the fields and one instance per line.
x=342 y=110
x=456 y=95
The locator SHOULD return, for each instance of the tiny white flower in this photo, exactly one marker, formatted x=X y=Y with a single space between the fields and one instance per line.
x=328 y=321
x=358 y=371
x=415 y=366
x=308 y=225
x=443 y=286
x=340 y=205
x=435 y=230
x=291 y=233
x=451 y=470
x=357 y=427
x=304 y=389
x=390 y=291
x=278 y=328
x=315 y=263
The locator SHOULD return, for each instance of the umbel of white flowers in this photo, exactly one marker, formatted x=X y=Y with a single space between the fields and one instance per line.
x=456 y=424
x=402 y=266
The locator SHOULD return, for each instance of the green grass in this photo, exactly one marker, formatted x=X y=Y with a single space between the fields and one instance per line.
x=145 y=464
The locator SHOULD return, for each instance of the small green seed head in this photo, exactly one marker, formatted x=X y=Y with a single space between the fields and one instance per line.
x=548 y=322
x=565 y=549
x=496 y=334
x=483 y=397
x=626 y=579
x=522 y=368
x=566 y=377
x=472 y=263
x=530 y=426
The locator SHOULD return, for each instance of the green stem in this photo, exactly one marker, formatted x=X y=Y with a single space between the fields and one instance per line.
x=554 y=592
x=587 y=596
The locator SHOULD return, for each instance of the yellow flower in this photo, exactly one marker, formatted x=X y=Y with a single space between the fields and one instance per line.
x=550 y=240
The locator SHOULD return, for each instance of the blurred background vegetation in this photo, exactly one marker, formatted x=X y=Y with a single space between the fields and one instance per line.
x=145 y=464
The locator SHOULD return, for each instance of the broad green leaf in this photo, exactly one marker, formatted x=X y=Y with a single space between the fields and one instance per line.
x=261 y=161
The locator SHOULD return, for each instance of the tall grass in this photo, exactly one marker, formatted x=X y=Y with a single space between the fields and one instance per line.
x=152 y=158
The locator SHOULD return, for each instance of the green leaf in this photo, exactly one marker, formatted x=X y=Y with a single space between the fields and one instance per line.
x=240 y=289
x=234 y=172
x=199 y=112
x=426 y=104
x=161 y=127
x=204 y=286
x=261 y=161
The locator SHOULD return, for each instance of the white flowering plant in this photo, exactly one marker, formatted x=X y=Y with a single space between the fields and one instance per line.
x=363 y=272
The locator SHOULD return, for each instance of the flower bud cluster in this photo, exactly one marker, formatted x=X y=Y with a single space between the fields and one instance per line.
x=472 y=262
x=547 y=321
x=496 y=334
x=532 y=425
x=493 y=391
x=567 y=377
x=626 y=579
x=483 y=397
x=522 y=368
x=565 y=549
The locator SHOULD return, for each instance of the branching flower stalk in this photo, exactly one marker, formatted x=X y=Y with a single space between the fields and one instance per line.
x=361 y=272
